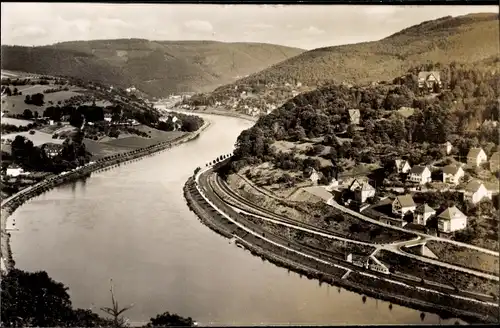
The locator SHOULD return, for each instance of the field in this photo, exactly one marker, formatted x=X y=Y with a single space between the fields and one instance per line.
x=15 y=104
x=100 y=150
x=442 y=275
x=159 y=135
x=38 y=139
x=15 y=121
x=464 y=256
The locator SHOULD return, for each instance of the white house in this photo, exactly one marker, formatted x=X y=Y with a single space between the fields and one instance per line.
x=427 y=79
x=420 y=174
x=452 y=174
x=359 y=260
x=354 y=116
x=364 y=192
x=107 y=117
x=422 y=214
x=403 y=204
x=476 y=157
x=451 y=219
x=14 y=171
x=314 y=177
x=448 y=147
x=402 y=166
x=475 y=191
x=333 y=184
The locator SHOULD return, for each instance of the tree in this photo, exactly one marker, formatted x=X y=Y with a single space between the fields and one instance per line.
x=168 y=320
x=33 y=299
x=27 y=114
x=115 y=311
x=76 y=119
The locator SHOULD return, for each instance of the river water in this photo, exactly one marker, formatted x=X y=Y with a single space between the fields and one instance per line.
x=132 y=224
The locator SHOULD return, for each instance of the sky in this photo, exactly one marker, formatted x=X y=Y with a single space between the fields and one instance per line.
x=302 y=26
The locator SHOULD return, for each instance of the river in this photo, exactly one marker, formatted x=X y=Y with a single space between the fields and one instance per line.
x=132 y=224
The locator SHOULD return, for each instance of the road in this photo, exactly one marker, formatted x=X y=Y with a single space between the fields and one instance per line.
x=240 y=204
x=203 y=187
x=368 y=219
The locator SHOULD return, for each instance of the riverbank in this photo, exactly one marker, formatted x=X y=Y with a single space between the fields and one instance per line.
x=10 y=204
x=409 y=296
x=214 y=112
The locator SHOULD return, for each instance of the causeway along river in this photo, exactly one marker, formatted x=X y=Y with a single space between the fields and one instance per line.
x=132 y=224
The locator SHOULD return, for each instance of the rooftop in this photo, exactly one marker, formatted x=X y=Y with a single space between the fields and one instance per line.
x=405 y=200
x=424 y=208
x=418 y=169
x=452 y=213
x=451 y=169
x=474 y=152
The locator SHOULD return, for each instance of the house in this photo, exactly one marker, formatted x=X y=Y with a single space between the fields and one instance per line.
x=107 y=117
x=495 y=162
x=355 y=185
x=365 y=191
x=476 y=157
x=333 y=184
x=451 y=219
x=51 y=149
x=314 y=177
x=448 y=147
x=359 y=260
x=452 y=174
x=475 y=191
x=429 y=79
x=403 y=204
x=402 y=166
x=14 y=170
x=354 y=116
x=422 y=214
x=420 y=174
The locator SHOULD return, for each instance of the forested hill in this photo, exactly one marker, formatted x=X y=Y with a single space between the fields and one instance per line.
x=464 y=39
x=155 y=67
x=464 y=113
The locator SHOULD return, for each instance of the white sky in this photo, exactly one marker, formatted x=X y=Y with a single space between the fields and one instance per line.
x=300 y=26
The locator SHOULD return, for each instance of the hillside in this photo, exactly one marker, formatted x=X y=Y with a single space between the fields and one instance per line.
x=464 y=39
x=155 y=67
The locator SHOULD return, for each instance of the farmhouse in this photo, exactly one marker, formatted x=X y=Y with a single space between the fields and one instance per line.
x=393 y=221
x=451 y=220
x=452 y=174
x=402 y=166
x=422 y=214
x=403 y=204
x=475 y=191
x=14 y=170
x=429 y=79
x=495 y=162
x=354 y=116
x=420 y=174
x=363 y=192
x=476 y=157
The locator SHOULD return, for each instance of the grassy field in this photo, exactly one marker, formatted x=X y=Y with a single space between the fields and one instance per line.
x=100 y=150
x=38 y=139
x=419 y=269
x=16 y=105
x=464 y=256
x=158 y=134
x=15 y=121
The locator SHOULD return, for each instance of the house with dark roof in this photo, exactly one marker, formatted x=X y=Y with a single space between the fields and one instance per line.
x=476 y=157
x=52 y=149
x=403 y=204
x=429 y=79
x=420 y=174
x=423 y=213
x=451 y=219
x=365 y=191
x=452 y=174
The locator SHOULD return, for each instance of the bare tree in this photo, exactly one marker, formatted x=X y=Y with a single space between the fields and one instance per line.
x=115 y=310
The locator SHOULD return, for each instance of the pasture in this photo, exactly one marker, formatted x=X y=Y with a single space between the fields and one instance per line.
x=15 y=121
x=38 y=139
